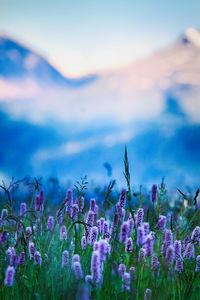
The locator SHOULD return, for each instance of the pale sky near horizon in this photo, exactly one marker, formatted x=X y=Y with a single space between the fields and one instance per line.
x=87 y=36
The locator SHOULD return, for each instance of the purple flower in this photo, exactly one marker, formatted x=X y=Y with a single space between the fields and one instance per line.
x=93 y=235
x=122 y=198
x=9 y=277
x=146 y=228
x=185 y=242
x=59 y=216
x=78 y=270
x=168 y=237
x=129 y=245
x=131 y=224
x=75 y=258
x=96 y=246
x=74 y=212
x=127 y=281
x=197 y=264
x=41 y=201
x=14 y=260
x=92 y=204
x=155 y=265
x=10 y=252
x=140 y=236
x=99 y=226
x=23 y=210
x=63 y=233
x=196 y=235
x=189 y=251
x=102 y=250
x=31 y=250
x=4 y=214
x=122 y=269
x=90 y=221
x=65 y=259
x=95 y=213
x=106 y=230
x=170 y=255
x=177 y=249
x=161 y=223
x=179 y=265
x=69 y=198
x=123 y=212
x=102 y=220
x=124 y=232
x=148 y=246
x=50 y=223
x=28 y=232
x=147 y=295
x=139 y=217
x=3 y=237
x=37 y=202
x=95 y=267
x=83 y=242
x=154 y=193
x=37 y=258
x=22 y=258
x=81 y=204
x=88 y=279
x=132 y=273
x=142 y=254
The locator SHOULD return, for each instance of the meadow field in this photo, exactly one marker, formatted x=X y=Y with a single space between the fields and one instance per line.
x=119 y=245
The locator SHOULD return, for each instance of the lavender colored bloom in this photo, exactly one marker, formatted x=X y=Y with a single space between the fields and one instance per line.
x=102 y=220
x=63 y=233
x=41 y=201
x=170 y=255
x=22 y=258
x=75 y=258
x=92 y=204
x=129 y=245
x=185 y=242
x=124 y=232
x=106 y=230
x=147 y=295
x=90 y=221
x=132 y=273
x=123 y=212
x=140 y=236
x=154 y=193
x=74 y=212
x=9 y=277
x=122 y=198
x=59 y=216
x=78 y=270
x=197 y=269
x=102 y=250
x=37 y=202
x=93 y=235
x=95 y=267
x=155 y=265
x=65 y=259
x=163 y=249
x=28 y=232
x=89 y=279
x=146 y=228
x=127 y=281
x=23 y=210
x=122 y=270
x=139 y=217
x=148 y=246
x=161 y=223
x=196 y=235
x=131 y=224
x=3 y=237
x=99 y=226
x=37 y=258
x=95 y=213
x=96 y=246
x=83 y=242
x=14 y=260
x=179 y=265
x=10 y=252
x=81 y=204
x=31 y=250
x=4 y=214
x=69 y=198
x=177 y=249
x=142 y=254
x=168 y=237
x=189 y=251
x=50 y=223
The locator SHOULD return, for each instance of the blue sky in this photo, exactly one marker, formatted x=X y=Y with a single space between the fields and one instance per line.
x=84 y=36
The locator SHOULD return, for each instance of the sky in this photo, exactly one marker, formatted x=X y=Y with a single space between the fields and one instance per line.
x=88 y=36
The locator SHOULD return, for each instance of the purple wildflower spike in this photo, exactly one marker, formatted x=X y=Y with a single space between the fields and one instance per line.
x=102 y=220
x=59 y=217
x=122 y=270
x=81 y=204
x=179 y=265
x=146 y=228
x=127 y=281
x=122 y=198
x=37 y=258
x=124 y=232
x=196 y=235
x=23 y=210
x=131 y=224
x=92 y=204
x=22 y=258
x=28 y=232
x=139 y=217
x=155 y=265
x=41 y=201
x=106 y=230
x=31 y=250
x=3 y=237
x=102 y=250
x=96 y=214
x=63 y=233
x=89 y=279
x=177 y=249
x=142 y=254
x=99 y=226
x=9 y=277
x=189 y=251
x=4 y=214
x=129 y=245
x=154 y=194
x=90 y=221
x=161 y=223
x=14 y=260
x=185 y=242
x=148 y=245
x=132 y=273
x=96 y=246
x=75 y=258
x=74 y=212
x=168 y=237
x=50 y=223
x=170 y=255
x=37 y=202
x=78 y=270
x=140 y=236
x=69 y=198
x=93 y=235
x=123 y=212
x=83 y=242
x=95 y=267
x=65 y=259
x=197 y=269
x=147 y=295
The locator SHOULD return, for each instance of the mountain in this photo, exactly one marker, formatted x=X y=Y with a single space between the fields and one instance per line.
x=18 y=62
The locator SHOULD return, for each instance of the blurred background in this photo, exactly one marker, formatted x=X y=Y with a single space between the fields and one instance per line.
x=79 y=80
